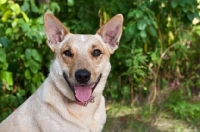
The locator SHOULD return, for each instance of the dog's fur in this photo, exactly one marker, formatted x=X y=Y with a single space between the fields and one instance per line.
x=56 y=106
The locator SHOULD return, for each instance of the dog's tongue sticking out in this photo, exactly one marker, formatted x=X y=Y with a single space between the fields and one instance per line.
x=83 y=93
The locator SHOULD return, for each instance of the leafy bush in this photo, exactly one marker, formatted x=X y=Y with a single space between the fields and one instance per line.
x=182 y=107
x=24 y=56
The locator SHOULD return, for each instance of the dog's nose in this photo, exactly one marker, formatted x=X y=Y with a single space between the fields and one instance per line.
x=82 y=76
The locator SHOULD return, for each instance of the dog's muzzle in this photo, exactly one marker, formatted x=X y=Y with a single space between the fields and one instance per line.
x=83 y=93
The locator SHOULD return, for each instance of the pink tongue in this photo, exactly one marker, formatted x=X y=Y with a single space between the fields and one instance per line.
x=83 y=93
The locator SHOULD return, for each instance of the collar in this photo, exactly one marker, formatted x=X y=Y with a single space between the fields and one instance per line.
x=91 y=100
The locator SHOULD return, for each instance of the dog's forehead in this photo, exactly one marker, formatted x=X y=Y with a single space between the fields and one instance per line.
x=82 y=40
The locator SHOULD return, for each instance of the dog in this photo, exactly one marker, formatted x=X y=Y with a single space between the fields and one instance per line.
x=70 y=99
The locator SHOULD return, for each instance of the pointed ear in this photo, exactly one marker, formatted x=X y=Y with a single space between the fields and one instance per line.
x=111 y=32
x=55 y=30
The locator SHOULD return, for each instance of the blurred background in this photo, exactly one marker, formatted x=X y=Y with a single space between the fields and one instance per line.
x=154 y=85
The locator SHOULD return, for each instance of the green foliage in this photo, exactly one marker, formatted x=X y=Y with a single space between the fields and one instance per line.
x=159 y=45
x=23 y=51
x=182 y=107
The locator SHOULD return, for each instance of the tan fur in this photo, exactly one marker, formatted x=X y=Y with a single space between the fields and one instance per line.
x=52 y=107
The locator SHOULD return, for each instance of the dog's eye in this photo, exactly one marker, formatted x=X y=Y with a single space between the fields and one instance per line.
x=96 y=53
x=68 y=53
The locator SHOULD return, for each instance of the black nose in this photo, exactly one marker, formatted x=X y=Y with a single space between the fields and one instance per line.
x=82 y=76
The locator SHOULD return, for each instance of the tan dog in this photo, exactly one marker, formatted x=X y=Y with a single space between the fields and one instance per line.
x=70 y=99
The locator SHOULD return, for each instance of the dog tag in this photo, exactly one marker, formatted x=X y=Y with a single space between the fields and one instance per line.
x=85 y=104
x=92 y=100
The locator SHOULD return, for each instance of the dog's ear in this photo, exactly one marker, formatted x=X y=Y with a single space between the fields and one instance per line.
x=111 y=32
x=55 y=30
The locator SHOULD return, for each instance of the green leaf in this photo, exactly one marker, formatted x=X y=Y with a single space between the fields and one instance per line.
x=141 y=24
x=36 y=78
x=3 y=1
x=143 y=34
x=153 y=31
x=130 y=30
x=2 y=55
x=54 y=7
x=15 y=8
x=27 y=74
x=4 y=66
x=34 y=8
x=9 y=88
x=13 y=100
x=131 y=14
x=147 y=20
x=25 y=16
x=34 y=66
x=9 y=31
x=40 y=21
x=192 y=15
x=174 y=4
x=138 y=13
x=70 y=2
x=22 y=92
x=14 y=22
x=28 y=54
x=32 y=88
x=6 y=15
x=4 y=41
x=25 y=7
x=25 y=27
x=19 y=99
x=6 y=77
x=26 y=63
x=36 y=55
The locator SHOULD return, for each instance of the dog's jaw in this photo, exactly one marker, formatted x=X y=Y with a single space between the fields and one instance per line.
x=86 y=90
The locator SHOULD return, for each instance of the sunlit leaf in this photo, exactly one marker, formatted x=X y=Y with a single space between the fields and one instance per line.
x=15 y=8
x=6 y=77
x=141 y=24
x=14 y=22
x=3 y=1
x=25 y=16
x=143 y=34
x=6 y=15
x=70 y=2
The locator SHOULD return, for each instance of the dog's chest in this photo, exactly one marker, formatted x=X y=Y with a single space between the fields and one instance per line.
x=92 y=120
x=72 y=123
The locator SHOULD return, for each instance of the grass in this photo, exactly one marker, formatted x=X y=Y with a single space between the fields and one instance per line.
x=123 y=118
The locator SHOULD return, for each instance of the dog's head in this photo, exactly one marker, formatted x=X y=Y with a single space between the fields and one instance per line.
x=81 y=63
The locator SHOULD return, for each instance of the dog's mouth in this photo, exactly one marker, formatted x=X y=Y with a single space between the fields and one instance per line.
x=83 y=93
